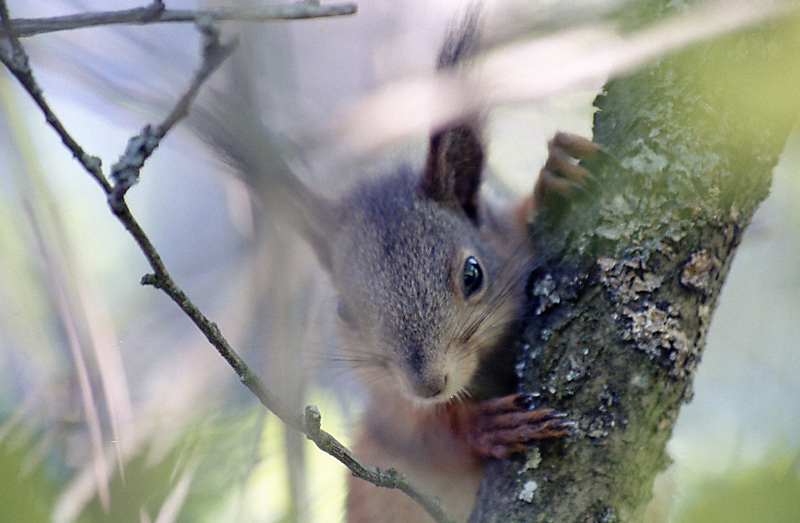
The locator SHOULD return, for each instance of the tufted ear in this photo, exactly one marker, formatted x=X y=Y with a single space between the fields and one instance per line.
x=454 y=167
x=455 y=160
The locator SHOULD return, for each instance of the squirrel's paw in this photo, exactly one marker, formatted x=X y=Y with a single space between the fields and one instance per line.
x=561 y=174
x=505 y=425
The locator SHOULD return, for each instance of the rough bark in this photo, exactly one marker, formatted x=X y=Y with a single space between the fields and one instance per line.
x=630 y=274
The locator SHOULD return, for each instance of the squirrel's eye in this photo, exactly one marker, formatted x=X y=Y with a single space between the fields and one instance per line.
x=471 y=276
x=345 y=314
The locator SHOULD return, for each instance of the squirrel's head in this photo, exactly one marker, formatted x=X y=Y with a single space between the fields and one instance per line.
x=424 y=291
x=427 y=279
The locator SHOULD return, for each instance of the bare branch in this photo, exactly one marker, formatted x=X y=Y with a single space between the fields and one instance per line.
x=390 y=478
x=18 y=63
x=157 y=13
x=125 y=173
x=308 y=424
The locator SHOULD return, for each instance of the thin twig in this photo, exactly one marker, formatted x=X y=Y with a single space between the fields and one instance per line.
x=18 y=63
x=157 y=13
x=125 y=173
x=389 y=478
x=309 y=424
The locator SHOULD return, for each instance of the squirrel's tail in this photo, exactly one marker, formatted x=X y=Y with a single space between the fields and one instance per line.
x=232 y=126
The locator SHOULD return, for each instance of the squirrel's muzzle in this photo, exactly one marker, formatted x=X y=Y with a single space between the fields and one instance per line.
x=428 y=387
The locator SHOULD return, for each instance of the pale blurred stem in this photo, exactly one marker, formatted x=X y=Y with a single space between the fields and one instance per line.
x=157 y=12
x=125 y=174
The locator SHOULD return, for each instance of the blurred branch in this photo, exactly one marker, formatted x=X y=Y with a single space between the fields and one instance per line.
x=535 y=70
x=125 y=173
x=157 y=12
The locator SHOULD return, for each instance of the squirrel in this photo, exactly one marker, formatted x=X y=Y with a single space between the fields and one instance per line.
x=430 y=276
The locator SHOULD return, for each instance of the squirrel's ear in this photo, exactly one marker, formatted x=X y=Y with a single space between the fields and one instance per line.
x=454 y=167
x=455 y=159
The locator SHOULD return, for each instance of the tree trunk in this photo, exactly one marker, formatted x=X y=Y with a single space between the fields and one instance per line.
x=630 y=273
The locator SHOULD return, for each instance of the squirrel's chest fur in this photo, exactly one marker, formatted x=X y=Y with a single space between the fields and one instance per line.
x=427 y=444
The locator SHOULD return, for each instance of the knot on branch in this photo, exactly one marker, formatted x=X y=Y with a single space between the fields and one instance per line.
x=210 y=31
x=154 y=10
x=125 y=172
x=312 y=421
x=153 y=279
x=392 y=478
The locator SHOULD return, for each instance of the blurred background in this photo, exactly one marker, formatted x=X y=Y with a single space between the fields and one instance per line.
x=113 y=407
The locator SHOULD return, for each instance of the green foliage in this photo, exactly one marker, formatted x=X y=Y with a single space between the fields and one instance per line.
x=767 y=493
x=27 y=493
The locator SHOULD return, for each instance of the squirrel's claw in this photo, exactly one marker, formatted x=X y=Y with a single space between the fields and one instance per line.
x=562 y=175
x=503 y=426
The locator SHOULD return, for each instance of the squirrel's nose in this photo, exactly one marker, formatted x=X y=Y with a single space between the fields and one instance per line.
x=429 y=386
